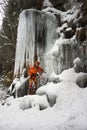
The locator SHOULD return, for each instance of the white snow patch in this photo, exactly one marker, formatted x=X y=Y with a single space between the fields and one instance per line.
x=77 y=60
x=69 y=29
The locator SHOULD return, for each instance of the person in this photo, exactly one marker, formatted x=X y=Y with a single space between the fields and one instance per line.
x=34 y=72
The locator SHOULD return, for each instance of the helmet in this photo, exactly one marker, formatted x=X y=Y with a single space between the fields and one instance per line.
x=37 y=62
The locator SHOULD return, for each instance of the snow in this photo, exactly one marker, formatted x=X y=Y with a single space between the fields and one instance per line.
x=77 y=60
x=47 y=3
x=67 y=15
x=17 y=84
x=68 y=110
x=52 y=10
x=65 y=25
x=70 y=75
x=69 y=29
x=1 y=12
x=72 y=13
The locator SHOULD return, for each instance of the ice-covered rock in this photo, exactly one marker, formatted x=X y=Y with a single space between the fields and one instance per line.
x=61 y=56
x=80 y=65
x=19 y=87
x=77 y=63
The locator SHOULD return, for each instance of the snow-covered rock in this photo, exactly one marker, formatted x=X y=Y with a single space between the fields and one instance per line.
x=27 y=102
x=18 y=88
x=40 y=102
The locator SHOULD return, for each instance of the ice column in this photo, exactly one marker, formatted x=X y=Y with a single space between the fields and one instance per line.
x=36 y=36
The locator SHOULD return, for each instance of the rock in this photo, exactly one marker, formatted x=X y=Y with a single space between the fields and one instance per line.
x=82 y=81
x=59 y=4
x=80 y=66
x=84 y=66
x=18 y=88
x=69 y=33
x=84 y=50
x=27 y=4
x=38 y=4
x=83 y=20
x=63 y=59
x=81 y=35
x=72 y=25
x=84 y=7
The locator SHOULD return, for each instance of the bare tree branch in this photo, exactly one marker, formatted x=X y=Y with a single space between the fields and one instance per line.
x=9 y=44
x=5 y=37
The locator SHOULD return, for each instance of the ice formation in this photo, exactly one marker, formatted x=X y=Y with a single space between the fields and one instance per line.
x=36 y=35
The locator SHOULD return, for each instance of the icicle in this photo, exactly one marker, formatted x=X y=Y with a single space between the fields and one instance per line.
x=25 y=41
x=51 y=26
x=20 y=47
x=30 y=39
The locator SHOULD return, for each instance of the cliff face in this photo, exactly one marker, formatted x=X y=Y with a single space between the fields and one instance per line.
x=26 y=4
x=38 y=4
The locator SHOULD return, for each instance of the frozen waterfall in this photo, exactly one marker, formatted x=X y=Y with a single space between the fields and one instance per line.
x=36 y=36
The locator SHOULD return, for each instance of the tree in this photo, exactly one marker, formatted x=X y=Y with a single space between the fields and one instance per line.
x=8 y=34
x=10 y=22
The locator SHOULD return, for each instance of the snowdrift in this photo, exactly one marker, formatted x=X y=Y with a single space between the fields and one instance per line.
x=68 y=111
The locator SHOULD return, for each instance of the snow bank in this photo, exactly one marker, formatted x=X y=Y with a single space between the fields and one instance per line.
x=34 y=101
x=69 y=75
x=50 y=91
x=68 y=113
x=27 y=102
x=68 y=79
x=71 y=103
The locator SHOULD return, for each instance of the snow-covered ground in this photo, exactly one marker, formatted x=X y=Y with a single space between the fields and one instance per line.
x=69 y=111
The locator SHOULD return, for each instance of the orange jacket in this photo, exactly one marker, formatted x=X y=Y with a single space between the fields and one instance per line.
x=33 y=71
